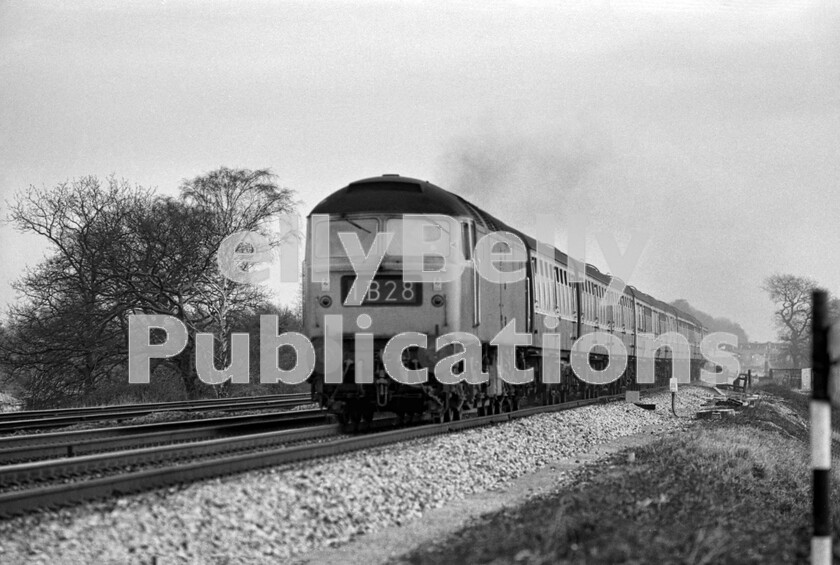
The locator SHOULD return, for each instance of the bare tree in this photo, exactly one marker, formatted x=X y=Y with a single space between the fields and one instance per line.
x=792 y=296
x=238 y=199
x=248 y=321
x=233 y=200
x=65 y=336
x=168 y=262
x=119 y=250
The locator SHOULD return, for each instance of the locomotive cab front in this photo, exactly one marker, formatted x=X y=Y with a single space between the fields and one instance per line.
x=407 y=238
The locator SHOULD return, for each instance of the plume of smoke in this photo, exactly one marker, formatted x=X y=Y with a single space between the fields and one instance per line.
x=713 y=324
x=513 y=172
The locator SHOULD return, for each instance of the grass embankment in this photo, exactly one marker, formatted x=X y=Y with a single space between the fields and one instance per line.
x=736 y=490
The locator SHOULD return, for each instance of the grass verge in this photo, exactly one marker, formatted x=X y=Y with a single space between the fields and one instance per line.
x=736 y=490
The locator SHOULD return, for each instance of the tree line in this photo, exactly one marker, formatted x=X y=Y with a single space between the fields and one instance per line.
x=117 y=249
x=792 y=317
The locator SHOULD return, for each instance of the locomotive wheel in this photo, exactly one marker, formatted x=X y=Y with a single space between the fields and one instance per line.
x=506 y=405
x=514 y=404
x=456 y=414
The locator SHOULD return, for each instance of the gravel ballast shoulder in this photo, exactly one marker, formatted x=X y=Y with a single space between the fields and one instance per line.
x=276 y=514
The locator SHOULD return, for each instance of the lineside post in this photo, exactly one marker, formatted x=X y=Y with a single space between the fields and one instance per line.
x=821 y=551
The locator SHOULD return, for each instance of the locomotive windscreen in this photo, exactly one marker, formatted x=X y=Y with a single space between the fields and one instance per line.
x=364 y=228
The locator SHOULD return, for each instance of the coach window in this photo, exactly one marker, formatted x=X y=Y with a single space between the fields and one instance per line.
x=616 y=314
x=551 y=288
x=600 y=316
x=622 y=311
x=567 y=292
x=547 y=295
x=584 y=294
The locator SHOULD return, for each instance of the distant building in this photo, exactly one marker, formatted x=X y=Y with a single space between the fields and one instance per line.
x=761 y=357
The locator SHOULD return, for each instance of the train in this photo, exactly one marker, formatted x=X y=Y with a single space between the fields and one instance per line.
x=548 y=299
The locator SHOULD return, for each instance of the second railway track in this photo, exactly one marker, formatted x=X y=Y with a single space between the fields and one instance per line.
x=205 y=403
x=44 y=419
x=21 y=448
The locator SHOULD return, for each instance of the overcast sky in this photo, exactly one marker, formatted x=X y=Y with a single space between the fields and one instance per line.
x=712 y=126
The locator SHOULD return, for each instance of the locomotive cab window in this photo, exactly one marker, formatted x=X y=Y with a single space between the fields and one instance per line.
x=364 y=228
x=468 y=239
x=434 y=234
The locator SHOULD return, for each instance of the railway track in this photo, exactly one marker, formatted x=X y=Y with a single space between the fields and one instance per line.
x=88 y=465
x=44 y=419
x=219 y=457
x=22 y=448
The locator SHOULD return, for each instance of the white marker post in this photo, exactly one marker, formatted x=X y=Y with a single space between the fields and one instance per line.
x=673 y=385
x=821 y=553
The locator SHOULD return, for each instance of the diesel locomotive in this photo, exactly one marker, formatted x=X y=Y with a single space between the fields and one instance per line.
x=550 y=298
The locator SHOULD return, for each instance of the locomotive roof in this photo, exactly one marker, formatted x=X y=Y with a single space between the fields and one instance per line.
x=392 y=194
x=396 y=194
